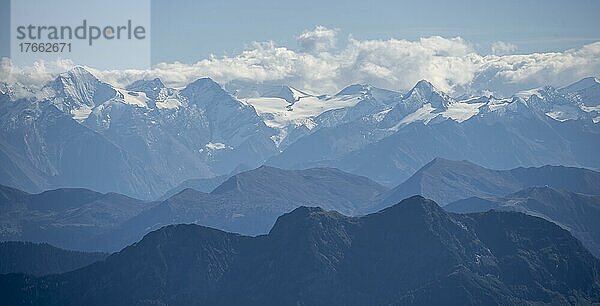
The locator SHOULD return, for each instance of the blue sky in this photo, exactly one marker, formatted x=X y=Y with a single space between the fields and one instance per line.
x=189 y=31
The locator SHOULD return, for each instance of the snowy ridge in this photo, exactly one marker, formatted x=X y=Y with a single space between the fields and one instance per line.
x=288 y=110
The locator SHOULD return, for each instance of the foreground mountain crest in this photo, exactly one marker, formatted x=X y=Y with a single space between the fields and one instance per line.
x=410 y=253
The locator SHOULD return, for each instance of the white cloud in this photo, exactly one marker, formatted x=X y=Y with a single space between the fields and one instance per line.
x=451 y=64
x=32 y=76
x=509 y=73
x=503 y=48
x=319 y=39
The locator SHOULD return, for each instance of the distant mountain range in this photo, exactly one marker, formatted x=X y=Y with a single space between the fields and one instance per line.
x=566 y=196
x=147 y=139
x=68 y=218
x=411 y=253
x=249 y=202
x=446 y=181
x=42 y=259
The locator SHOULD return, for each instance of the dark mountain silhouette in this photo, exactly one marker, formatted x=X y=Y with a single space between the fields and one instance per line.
x=446 y=181
x=410 y=253
x=578 y=213
x=42 y=259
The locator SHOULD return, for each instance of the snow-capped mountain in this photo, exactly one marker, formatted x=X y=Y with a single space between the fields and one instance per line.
x=524 y=130
x=77 y=92
x=200 y=131
x=149 y=138
x=294 y=113
x=174 y=135
x=43 y=148
x=585 y=91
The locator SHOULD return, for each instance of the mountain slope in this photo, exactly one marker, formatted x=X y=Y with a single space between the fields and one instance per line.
x=411 y=253
x=197 y=132
x=578 y=213
x=447 y=181
x=67 y=218
x=250 y=202
x=43 y=148
x=42 y=259
x=205 y=185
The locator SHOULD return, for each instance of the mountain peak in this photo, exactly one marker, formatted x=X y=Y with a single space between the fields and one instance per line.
x=443 y=162
x=204 y=89
x=355 y=89
x=245 y=180
x=305 y=211
x=79 y=73
x=204 y=83
x=424 y=88
x=152 y=88
x=424 y=92
x=77 y=91
x=302 y=219
x=425 y=85
x=414 y=204
x=582 y=84
x=146 y=85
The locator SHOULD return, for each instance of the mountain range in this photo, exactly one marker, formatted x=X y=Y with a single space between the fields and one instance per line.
x=446 y=181
x=250 y=202
x=575 y=212
x=411 y=253
x=145 y=139
x=500 y=133
x=68 y=218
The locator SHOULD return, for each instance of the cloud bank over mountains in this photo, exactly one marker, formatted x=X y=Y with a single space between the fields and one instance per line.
x=317 y=65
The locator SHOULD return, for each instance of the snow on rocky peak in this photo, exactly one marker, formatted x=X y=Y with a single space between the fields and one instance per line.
x=152 y=88
x=203 y=91
x=582 y=84
x=423 y=93
x=77 y=91
x=158 y=95
x=586 y=91
x=573 y=102
x=355 y=89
